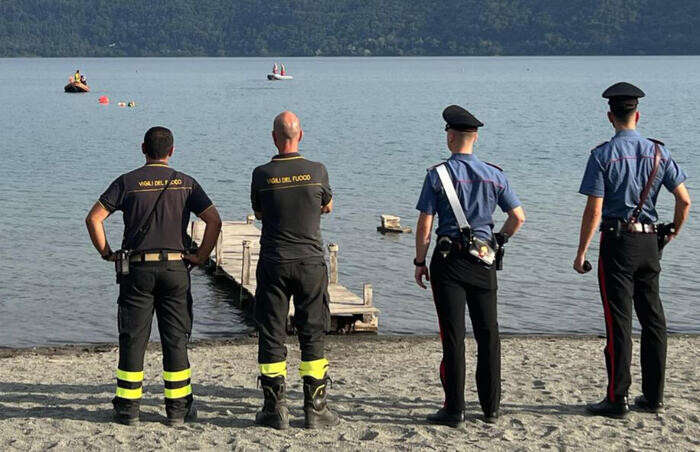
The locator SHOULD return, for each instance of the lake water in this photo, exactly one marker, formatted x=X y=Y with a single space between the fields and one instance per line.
x=376 y=124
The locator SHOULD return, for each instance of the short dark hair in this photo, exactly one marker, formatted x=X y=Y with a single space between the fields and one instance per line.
x=622 y=114
x=158 y=142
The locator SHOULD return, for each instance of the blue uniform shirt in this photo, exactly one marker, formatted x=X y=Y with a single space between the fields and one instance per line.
x=618 y=170
x=480 y=188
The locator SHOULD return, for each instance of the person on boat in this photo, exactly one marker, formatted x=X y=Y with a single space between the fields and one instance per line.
x=275 y=69
x=76 y=77
x=83 y=80
x=283 y=71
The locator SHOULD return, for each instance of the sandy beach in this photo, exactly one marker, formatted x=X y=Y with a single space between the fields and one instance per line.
x=383 y=388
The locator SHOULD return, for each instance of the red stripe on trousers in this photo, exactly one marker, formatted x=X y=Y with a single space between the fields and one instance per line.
x=609 y=328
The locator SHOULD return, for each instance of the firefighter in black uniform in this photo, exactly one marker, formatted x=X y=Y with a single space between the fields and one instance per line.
x=622 y=180
x=458 y=274
x=156 y=202
x=289 y=194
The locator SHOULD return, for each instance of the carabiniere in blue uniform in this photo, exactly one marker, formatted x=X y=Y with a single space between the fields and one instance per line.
x=457 y=275
x=626 y=175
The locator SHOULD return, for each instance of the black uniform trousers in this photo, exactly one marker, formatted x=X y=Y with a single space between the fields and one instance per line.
x=457 y=281
x=305 y=280
x=628 y=275
x=163 y=287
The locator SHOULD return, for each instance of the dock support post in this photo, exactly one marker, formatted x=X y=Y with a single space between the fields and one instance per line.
x=367 y=297
x=219 y=253
x=245 y=270
x=250 y=219
x=333 y=251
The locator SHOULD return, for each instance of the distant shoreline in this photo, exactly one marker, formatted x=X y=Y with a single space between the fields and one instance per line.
x=363 y=57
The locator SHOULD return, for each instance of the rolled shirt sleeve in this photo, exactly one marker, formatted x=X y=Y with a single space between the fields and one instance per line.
x=673 y=176
x=427 y=202
x=327 y=193
x=507 y=199
x=198 y=201
x=254 y=197
x=112 y=198
x=593 y=183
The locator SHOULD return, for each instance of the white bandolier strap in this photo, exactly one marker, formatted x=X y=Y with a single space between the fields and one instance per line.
x=451 y=194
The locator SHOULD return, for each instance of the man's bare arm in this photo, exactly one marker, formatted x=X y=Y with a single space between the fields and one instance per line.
x=328 y=208
x=212 y=220
x=424 y=229
x=682 y=207
x=95 y=226
x=589 y=224
x=516 y=218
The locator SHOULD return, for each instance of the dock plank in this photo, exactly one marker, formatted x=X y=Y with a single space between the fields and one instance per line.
x=228 y=257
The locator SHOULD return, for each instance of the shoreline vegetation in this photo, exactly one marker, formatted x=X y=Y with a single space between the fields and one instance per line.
x=348 y=28
x=383 y=387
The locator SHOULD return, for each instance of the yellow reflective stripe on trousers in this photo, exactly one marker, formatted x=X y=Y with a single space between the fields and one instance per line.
x=133 y=377
x=129 y=393
x=273 y=370
x=316 y=369
x=178 y=393
x=180 y=375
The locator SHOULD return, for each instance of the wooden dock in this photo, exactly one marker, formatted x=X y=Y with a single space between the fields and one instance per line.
x=236 y=257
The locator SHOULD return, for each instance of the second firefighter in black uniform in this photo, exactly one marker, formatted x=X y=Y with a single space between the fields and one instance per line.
x=289 y=194
x=156 y=202
x=459 y=269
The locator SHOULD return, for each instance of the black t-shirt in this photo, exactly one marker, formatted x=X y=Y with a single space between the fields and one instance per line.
x=290 y=191
x=136 y=192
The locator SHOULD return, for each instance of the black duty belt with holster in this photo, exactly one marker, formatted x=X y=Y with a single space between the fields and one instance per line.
x=125 y=256
x=482 y=251
x=616 y=226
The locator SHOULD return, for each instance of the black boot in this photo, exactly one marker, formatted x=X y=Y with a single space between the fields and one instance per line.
x=126 y=412
x=618 y=409
x=316 y=411
x=274 y=412
x=453 y=419
x=643 y=404
x=189 y=416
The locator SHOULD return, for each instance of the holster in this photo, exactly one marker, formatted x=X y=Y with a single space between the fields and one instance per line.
x=121 y=264
x=612 y=226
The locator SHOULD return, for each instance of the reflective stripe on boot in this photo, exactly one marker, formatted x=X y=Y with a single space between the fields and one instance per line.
x=316 y=411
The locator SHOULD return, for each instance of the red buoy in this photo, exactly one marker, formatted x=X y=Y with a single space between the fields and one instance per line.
x=103 y=100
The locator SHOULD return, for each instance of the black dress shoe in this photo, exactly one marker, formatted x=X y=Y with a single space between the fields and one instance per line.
x=643 y=404
x=492 y=418
x=443 y=417
x=618 y=409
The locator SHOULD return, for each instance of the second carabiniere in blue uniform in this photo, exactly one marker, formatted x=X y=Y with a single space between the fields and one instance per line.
x=458 y=278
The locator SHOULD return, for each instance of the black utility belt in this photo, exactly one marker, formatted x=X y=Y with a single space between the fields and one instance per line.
x=475 y=250
x=617 y=226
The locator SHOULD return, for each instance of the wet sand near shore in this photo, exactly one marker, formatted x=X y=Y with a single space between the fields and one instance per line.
x=383 y=387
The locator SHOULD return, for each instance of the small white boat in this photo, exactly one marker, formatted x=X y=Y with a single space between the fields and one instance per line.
x=279 y=77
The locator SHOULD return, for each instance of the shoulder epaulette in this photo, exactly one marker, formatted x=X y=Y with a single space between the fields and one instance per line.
x=495 y=166
x=435 y=166
x=654 y=140
x=599 y=145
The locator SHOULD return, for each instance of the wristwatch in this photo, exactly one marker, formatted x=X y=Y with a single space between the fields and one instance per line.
x=418 y=264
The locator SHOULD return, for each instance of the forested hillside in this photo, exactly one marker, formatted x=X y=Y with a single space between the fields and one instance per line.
x=347 y=27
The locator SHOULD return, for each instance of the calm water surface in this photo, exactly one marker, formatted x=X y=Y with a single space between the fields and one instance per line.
x=376 y=124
